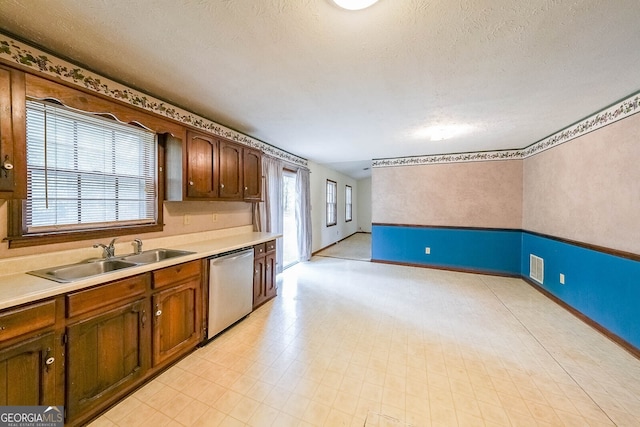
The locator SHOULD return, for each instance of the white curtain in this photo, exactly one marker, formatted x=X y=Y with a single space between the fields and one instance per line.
x=303 y=214
x=271 y=210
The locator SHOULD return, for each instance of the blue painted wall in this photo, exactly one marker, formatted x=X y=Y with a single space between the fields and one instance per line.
x=604 y=287
x=491 y=251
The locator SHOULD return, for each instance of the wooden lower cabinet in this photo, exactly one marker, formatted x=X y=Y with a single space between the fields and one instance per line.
x=270 y=288
x=264 y=273
x=107 y=353
x=27 y=372
x=177 y=323
x=87 y=349
x=259 y=295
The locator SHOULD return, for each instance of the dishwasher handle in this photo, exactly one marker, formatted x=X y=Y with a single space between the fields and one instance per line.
x=232 y=257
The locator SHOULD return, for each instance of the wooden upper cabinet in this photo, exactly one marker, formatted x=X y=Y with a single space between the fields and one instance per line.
x=12 y=131
x=202 y=166
x=231 y=171
x=252 y=174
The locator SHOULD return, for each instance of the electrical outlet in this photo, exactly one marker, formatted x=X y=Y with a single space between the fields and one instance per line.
x=427 y=250
x=187 y=219
x=214 y=217
x=561 y=279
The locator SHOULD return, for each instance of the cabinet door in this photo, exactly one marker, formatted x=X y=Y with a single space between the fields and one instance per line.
x=230 y=171
x=6 y=133
x=27 y=373
x=270 y=275
x=106 y=354
x=177 y=320
x=258 y=281
x=252 y=172
x=202 y=166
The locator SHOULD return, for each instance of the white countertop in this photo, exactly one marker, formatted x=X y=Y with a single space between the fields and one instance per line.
x=19 y=287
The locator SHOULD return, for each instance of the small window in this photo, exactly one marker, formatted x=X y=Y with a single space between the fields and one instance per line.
x=87 y=172
x=348 y=203
x=332 y=209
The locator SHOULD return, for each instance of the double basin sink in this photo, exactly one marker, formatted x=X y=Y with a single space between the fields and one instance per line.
x=84 y=269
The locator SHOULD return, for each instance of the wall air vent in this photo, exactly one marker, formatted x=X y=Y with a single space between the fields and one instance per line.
x=536 y=268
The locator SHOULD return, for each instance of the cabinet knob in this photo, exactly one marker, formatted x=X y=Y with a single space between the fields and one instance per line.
x=221 y=185
x=2 y=328
x=246 y=188
x=48 y=360
x=158 y=313
x=190 y=182
x=7 y=165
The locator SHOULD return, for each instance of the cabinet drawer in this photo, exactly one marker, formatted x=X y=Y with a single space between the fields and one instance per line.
x=271 y=245
x=102 y=296
x=27 y=319
x=176 y=273
x=259 y=250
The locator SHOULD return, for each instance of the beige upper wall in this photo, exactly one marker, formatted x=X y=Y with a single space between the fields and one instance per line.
x=588 y=189
x=474 y=194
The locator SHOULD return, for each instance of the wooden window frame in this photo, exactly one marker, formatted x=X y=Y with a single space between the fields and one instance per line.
x=331 y=221
x=42 y=88
x=348 y=203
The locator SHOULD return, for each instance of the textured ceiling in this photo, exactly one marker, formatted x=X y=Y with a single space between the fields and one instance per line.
x=342 y=87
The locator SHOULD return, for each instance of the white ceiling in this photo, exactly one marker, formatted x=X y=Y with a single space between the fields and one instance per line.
x=343 y=87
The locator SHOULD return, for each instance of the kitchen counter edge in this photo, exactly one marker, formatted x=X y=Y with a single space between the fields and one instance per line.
x=22 y=288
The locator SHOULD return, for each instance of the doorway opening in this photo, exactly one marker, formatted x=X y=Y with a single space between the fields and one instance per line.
x=290 y=224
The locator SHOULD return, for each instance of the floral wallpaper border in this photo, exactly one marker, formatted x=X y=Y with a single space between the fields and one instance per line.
x=35 y=59
x=618 y=111
x=42 y=62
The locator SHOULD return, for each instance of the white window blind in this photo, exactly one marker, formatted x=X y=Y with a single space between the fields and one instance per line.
x=85 y=171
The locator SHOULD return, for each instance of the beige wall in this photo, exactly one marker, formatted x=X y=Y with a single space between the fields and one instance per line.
x=364 y=205
x=323 y=236
x=201 y=218
x=474 y=194
x=588 y=189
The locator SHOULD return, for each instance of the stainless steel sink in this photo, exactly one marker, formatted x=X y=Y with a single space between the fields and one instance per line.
x=84 y=269
x=71 y=272
x=154 y=255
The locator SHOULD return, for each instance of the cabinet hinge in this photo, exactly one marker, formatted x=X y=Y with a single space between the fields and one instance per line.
x=64 y=339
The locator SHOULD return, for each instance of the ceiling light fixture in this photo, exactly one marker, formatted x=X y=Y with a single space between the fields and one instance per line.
x=354 y=4
x=442 y=132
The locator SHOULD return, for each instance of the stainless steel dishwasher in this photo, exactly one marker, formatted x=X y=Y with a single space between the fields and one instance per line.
x=230 y=289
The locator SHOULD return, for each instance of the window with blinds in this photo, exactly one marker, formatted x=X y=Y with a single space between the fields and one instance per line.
x=332 y=210
x=348 y=203
x=85 y=171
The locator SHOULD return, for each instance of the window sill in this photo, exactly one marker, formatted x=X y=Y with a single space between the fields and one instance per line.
x=74 y=236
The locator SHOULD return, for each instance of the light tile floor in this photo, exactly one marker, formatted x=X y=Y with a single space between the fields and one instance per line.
x=352 y=343
x=356 y=247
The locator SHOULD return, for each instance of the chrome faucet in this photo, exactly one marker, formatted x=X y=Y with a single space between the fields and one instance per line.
x=137 y=244
x=107 y=251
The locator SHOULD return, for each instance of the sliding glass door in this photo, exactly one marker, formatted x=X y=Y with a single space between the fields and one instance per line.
x=290 y=225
